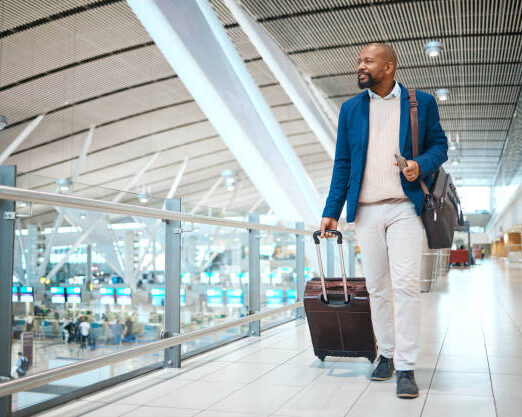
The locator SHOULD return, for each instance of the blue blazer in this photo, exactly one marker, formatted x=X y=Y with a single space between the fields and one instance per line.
x=352 y=146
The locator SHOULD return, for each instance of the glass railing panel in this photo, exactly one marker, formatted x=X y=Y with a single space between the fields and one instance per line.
x=85 y=284
x=214 y=282
x=278 y=275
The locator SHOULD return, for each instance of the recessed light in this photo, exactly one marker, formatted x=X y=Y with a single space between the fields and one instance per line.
x=64 y=184
x=442 y=94
x=3 y=121
x=432 y=48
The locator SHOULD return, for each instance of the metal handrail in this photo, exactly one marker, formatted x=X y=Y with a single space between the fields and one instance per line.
x=45 y=377
x=40 y=197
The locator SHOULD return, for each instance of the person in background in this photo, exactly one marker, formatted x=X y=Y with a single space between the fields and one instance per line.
x=129 y=325
x=71 y=330
x=29 y=320
x=85 y=329
x=117 y=331
x=22 y=365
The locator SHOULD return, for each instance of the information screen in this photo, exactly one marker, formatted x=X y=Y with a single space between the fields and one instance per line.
x=15 y=296
x=157 y=296
x=123 y=296
x=26 y=294
x=58 y=295
x=182 y=297
x=291 y=295
x=107 y=296
x=215 y=297
x=234 y=297
x=274 y=297
x=74 y=295
x=186 y=278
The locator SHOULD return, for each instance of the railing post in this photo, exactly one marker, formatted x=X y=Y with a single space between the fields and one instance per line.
x=7 y=231
x=254 y=275
x=172 y=283
x=330 y=257
x=88 y=265
x=299 y=266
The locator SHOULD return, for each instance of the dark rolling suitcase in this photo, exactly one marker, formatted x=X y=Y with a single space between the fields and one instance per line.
x=338 y=312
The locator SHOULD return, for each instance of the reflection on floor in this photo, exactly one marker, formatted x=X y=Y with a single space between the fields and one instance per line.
x=471 y=365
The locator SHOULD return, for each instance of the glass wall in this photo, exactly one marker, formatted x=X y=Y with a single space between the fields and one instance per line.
x=85 y=284
x=214 y=282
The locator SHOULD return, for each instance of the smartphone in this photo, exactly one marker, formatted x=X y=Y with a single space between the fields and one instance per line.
x=401 y=160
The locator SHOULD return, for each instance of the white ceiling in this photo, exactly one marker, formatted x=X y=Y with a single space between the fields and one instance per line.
x=91 y=62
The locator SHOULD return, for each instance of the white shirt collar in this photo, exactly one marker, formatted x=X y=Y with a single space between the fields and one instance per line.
x=396 y=92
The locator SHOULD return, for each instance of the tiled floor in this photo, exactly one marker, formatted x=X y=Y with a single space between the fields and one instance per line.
x=470 y=365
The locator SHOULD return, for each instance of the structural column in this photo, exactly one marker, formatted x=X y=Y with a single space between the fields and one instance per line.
x=88 y=266
x=254 y=274
x=7 y=230
x=173 y=283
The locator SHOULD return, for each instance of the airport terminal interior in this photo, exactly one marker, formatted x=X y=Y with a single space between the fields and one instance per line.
x=163 y=165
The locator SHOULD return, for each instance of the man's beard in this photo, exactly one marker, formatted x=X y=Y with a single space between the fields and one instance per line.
x=365 y=84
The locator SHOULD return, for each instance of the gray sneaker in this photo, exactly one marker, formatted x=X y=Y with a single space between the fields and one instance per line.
x=384 y=369
x=406 y=385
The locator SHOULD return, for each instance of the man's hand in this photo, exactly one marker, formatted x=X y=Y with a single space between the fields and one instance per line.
x=411 y=172
x=328 y=223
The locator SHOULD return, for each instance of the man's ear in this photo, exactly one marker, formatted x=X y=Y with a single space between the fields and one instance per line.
x=390 y=68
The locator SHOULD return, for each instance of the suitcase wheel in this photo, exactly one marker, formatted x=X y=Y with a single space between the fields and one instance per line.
x=321 y=357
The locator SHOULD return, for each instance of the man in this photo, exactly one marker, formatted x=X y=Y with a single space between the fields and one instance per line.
x=386 y=203
x=85 y=329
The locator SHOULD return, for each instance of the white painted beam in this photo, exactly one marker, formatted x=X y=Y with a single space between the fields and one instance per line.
x=99 y=221
x=289 y=77
x=195 y=44
x=20 y=138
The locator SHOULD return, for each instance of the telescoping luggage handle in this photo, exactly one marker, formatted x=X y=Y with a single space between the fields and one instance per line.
x=339 y=235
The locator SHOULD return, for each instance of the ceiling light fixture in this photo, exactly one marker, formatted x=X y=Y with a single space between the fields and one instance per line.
x=143 y=198
x=455 y=162
x=3 y=121
x=230 y=177
x=432 y=48
x=452 y=146
x=64 y=184
x=442 y=94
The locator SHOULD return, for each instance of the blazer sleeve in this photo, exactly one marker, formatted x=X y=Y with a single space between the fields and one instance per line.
x=435 y=149
x=341 y=170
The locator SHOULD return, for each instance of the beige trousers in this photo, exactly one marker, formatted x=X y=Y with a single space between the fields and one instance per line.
x=391 y=241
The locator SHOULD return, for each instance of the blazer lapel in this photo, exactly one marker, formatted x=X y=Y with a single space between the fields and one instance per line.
x=405 y=120
x=365 y=123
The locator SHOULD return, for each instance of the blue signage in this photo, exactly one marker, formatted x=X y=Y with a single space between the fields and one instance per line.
x=274 y=296
x=234 y=297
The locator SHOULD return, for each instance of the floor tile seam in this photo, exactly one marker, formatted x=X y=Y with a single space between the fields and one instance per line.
x=435 y=367
x=244 y=386
x=262 y=375
x=359 y=397
x=495 y=294
x=296 y=393
x=489 y=369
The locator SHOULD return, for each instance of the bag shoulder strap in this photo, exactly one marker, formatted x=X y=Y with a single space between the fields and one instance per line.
x=414 y=121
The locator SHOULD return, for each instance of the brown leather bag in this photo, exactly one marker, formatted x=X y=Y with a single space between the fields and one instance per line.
x=442 y=211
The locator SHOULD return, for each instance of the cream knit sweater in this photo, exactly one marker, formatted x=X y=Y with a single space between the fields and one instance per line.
x=381 y=179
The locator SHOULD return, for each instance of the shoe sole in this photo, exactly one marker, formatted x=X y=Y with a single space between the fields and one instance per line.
x=407 y=395
x=382 y=379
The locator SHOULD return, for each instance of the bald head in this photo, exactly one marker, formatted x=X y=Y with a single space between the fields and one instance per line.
x=385 y=51
x=377 y=65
